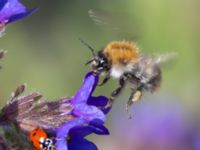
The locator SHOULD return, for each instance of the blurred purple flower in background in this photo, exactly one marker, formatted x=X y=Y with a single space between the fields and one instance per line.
x=70 y=119
x=12 y=10
x=160 y=124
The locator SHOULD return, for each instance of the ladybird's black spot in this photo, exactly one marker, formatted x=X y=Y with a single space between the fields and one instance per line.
x=34 y=134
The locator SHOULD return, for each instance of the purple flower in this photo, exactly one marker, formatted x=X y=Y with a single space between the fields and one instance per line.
x=90 y=118
x=12 y=10
x=161 y=124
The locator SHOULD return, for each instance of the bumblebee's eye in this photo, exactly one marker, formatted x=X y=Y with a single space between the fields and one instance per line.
x=101 y=61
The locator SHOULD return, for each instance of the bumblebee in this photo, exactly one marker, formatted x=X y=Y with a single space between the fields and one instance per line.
x=123 y=60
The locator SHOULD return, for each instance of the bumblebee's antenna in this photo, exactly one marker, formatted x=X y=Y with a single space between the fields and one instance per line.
x=88 y=46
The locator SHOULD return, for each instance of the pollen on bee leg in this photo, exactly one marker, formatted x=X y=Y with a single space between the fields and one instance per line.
x=135 y=96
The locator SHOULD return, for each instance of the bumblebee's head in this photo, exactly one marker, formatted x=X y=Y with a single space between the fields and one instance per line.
x=99 y=62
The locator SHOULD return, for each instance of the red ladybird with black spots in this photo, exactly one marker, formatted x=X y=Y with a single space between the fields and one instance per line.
x=40 y=140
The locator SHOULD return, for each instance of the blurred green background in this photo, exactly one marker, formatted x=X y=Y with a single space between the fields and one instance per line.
x=44 y=51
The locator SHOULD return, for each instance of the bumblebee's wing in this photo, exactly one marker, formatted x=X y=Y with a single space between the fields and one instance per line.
x=99 y=19
x=164 y=58
x=122 y=25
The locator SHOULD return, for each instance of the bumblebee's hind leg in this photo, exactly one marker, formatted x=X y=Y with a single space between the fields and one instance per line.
x=135 y=96
x=116 y=92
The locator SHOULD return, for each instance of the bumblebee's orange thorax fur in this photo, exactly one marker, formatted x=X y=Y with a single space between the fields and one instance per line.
x=121 y=52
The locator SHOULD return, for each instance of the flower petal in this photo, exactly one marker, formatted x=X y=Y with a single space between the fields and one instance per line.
x=62 y=133
x=2 y=3
x=88 y=112
x=81 y=144
x=21 y=15
x=99 y=101
x=95 y=126
x=12 y=7
x=12 y=10
x=80 y=132
x=86 y=89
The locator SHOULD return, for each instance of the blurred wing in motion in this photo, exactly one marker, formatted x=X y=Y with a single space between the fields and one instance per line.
x=122 y=25
x=99 y=19
x=164 y=58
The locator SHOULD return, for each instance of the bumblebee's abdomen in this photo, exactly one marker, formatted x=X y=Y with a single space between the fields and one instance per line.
x=149 y=74
x=121 y=52
x=153 y=80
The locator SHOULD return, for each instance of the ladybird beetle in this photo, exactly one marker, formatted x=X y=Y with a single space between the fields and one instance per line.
x=39 y=139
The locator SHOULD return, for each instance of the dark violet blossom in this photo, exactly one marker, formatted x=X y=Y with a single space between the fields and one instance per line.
x=69 y=119
x=12 y=10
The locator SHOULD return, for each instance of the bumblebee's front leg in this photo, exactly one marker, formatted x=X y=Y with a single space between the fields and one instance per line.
x=116 y=92
x=135 y=96
x=98 y=71
x=107 y=77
